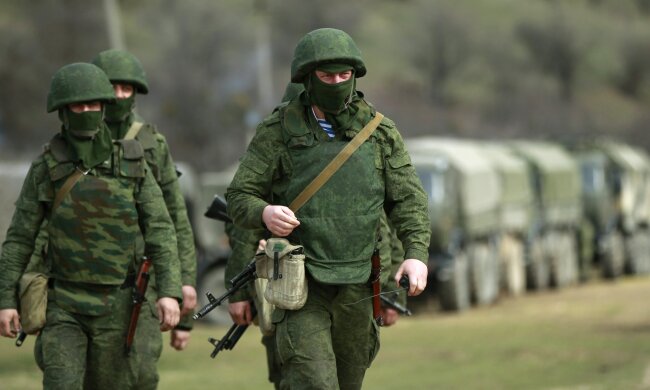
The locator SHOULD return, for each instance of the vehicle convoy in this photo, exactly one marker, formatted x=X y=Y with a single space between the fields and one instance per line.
x=505 y=216
x=552 y=257
x=616 y=179
x=464 y=192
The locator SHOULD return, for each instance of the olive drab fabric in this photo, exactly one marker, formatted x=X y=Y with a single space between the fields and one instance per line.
x=325 y=45
x=78 y=82
x=32 y=293
x=282 y=151
x=122 y=66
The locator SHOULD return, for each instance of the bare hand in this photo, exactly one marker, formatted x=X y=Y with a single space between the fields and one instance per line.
x=9 y=323
x=189 y=299
x=417 y=272
x=389 y=315
x=240 y=312
x=180 y=339
x=168 y=313
x=280 y=220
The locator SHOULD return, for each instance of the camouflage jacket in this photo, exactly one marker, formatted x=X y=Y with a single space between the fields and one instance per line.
x=267 y=169
x=75 y=245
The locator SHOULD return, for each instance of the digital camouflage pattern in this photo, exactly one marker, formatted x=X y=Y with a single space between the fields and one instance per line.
x=78 y=82
x=268 y=168
x=325 y=45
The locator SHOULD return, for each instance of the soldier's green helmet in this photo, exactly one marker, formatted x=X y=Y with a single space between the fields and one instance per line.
x=122 y=66
x=78 y=82
x=325 y=45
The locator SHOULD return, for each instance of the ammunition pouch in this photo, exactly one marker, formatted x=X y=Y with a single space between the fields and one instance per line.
x=32 y=294
x=283 y=266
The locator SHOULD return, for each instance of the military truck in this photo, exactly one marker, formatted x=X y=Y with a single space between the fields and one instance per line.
x=552 y=252
x=464 y=191
x=515 y=215
x=12 y=175
x=616 y=179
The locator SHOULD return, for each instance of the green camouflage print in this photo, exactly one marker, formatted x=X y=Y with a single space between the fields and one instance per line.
x=87 y=352
x=98 y=242
x=330 y=342
x=267 y=169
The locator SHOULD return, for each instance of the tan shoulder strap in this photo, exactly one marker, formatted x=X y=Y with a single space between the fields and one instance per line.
x=336 y=163
x=133 y=130
x=67 y=186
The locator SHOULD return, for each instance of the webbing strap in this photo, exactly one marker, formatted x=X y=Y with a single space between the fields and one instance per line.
x=133 y=130
x=336 y=163
x=67 y=186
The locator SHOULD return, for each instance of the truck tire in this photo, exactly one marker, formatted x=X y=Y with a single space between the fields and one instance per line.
x=537 y=267
x=513 y=268
x=453 y=284
x=635 y=253
x=212 y=280
x=612 y=260
x=483 y=273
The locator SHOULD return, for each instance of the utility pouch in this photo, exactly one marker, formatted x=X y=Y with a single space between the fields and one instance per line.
x=283 y=265
x=32 y=294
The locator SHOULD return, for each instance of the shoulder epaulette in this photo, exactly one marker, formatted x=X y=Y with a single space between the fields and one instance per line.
x=148 y=136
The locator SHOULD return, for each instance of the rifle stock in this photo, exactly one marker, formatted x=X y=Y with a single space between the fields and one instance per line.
x=139 y=290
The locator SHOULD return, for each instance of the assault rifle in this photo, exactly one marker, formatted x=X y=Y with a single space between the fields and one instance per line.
x=139 y=290
x=392 y=303
x=239 y=281
x=232 y=336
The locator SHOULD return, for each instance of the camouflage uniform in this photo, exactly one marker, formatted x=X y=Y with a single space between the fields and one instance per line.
x=329 y=343
x=92 y=249
x=123 y=67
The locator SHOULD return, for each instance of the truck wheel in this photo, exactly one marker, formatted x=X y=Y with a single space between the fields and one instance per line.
x=212 y=280
x=513 y=270
x=612 y=260
x=537 y=267
x=483 y=273
x=453 y=284
x=635 y=255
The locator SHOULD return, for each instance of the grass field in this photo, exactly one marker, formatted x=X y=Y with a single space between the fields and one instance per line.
x=590 y=337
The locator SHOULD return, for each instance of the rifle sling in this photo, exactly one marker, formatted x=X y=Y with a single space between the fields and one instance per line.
x=336 y=163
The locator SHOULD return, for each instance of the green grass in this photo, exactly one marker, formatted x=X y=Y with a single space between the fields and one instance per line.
x=583 y=338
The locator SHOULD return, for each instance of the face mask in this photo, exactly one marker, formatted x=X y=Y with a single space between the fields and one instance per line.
x=120 y=110
x=83 y=125
x=87 y=135
x=331 y=98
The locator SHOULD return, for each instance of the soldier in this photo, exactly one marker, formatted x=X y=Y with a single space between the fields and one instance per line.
x=128 y=77
x=332 y=339
x=97 y=196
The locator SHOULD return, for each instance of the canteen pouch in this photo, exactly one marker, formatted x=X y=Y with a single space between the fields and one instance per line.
x=283 y=265
x=264 y=308
x=32 y=294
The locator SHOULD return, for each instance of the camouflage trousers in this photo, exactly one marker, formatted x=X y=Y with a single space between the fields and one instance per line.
x=275 y=369
x=330 y=342
x=87 y=352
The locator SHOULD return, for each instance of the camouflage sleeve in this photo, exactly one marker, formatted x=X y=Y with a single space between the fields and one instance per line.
x=243 y=243
x=21 y=235
x=159 y=237
x=176 y=207
x=406 y=202
x=250 y=189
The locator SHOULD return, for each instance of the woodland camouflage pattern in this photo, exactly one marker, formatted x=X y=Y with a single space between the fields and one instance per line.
x=92 y=234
